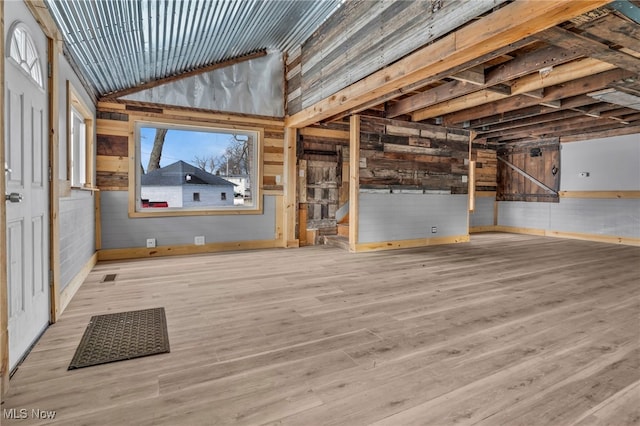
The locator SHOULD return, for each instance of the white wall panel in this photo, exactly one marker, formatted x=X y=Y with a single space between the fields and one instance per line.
x=120 y=231
x=613 y=164
x=395 y=217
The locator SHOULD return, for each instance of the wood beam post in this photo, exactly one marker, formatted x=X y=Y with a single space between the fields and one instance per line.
x=290 y=181
x=354 y=180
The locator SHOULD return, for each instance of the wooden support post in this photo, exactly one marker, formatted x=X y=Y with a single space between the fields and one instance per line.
x=302 y=224
x=290 y=195
x=55 y=48
x=354 y=180
x=472 y=186
x=472 y=173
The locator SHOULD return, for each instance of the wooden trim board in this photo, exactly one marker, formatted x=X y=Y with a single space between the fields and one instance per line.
x=485 y=228
x=54 y=170
x=402 y=244
x=179 y=250
x=600 y=194
x=70 y=290
x=611 y=239
x=4 y=318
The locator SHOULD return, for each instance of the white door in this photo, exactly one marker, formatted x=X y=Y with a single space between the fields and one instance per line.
x=26 y=171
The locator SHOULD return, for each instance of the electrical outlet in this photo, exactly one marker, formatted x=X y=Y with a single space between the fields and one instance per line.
x=151 y=242
x=199 y=241
x=434 y=229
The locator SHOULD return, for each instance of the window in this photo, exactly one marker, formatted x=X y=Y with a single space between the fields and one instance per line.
x=23 y=51
x=80 y=141
x=190 y=170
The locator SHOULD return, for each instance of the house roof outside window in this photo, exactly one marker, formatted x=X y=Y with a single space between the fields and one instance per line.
x=180 y=174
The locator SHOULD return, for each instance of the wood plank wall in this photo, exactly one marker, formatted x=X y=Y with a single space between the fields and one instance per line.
x=486 y=167
x=401 y=155
x=113 y=132
x=545 y=168
x=363 y=37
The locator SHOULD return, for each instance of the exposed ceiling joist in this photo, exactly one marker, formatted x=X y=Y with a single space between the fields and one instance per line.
x=579 y=86
x=591 y=48
x=517 y=67
x=507 y=25
x=559 y=75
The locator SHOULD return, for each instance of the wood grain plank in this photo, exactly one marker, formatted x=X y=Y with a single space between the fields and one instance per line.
x=506 y=329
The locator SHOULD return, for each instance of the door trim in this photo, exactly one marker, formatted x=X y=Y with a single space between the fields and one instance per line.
x=4 y=318
x=54 y=188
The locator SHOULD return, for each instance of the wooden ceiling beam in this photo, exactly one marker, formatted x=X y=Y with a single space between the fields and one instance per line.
x=616 y=30
x=459 y=75
x=517 y=67
x=573 y=88
x=631 y=117
x=506 y=25
x=610 y=126
x=473 y=75
x=582 y=124
x=561 y=74
x=540 y=127
x=534 y=120
x=592 y=48
x=523 y=113
x=598 y=133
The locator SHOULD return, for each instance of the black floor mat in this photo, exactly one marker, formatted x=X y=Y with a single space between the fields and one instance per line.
x=120 y=336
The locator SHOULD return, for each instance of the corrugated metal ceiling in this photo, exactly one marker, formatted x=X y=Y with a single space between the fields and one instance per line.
x=119 y=44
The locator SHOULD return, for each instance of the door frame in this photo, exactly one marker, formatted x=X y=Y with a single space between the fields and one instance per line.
x=4 y=316
x=54 y=47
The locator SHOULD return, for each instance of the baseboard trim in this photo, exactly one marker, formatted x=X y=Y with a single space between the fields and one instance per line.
x=186 y=249
x=72 y=288
x=611 y=239
x=402 y=244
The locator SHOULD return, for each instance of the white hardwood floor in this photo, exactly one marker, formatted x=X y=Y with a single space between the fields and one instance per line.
x=504 y=330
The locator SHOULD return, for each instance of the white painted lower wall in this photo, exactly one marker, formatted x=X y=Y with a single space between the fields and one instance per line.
x=606 y=217
x=482 y=214
x=77 y=234
x=396 y=217
x=121 y=231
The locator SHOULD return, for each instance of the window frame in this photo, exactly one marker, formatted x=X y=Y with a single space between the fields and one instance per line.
x=134 y=169
x=21 y=62
x=76 y=106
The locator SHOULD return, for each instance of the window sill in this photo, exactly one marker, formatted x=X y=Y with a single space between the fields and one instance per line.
x=85 y=188
x=65 y=189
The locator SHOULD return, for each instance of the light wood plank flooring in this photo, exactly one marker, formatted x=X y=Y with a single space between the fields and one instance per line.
x=504 y=330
